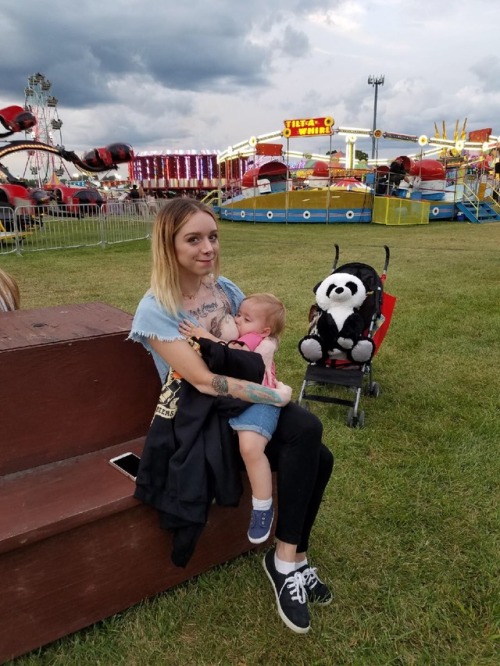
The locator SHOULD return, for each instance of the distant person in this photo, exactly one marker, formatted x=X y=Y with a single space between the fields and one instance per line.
x=397 y=173
x=382 y=182
x=494 y=166
x=496 y=183
x=134 y=196
x=143 y=201
x=152 y=203
x=492 y=159
x=10 y=297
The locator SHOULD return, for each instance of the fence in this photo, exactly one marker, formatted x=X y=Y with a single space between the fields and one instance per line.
x=395 y=211
x=30 y=229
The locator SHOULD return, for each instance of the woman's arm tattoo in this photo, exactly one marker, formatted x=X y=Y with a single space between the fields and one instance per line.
x=260 y=394
x=247 y=391
x=219 y=384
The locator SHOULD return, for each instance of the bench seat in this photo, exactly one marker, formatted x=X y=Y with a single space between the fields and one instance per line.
x=37 y=503
x=75 y=546
x=69 y=564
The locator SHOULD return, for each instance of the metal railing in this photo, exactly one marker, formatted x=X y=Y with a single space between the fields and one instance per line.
x=30 y=229
x=470 y=196
x=494 y=185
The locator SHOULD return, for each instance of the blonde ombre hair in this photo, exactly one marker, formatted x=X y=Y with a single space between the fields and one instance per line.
x=165 y=282
x=10 y=297
x=274 y=312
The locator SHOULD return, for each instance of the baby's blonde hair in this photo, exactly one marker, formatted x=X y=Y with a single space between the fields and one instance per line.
x=275 y=313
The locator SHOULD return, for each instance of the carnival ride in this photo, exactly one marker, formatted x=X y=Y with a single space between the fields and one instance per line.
x=22 y=207
x=445 y=178
x=40 y=101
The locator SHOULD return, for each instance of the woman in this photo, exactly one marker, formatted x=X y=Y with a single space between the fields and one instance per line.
x=185 y=283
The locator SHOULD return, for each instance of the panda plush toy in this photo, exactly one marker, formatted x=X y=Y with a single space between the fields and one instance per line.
x=336 y=331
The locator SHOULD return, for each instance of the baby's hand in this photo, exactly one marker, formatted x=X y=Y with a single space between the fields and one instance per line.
x=190 y=330
x=285 y=393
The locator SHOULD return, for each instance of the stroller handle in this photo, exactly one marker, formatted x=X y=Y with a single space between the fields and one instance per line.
x=386 y=262
x=336 y=257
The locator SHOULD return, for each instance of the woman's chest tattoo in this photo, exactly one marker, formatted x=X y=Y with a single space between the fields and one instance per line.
x=212 y=309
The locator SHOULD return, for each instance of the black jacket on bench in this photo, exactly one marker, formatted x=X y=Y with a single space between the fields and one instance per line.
x=191 y=454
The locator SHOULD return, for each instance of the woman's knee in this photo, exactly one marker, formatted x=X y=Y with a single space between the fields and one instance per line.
x=307 y=425
x=299 y=433
x=326 y=461
x=313 y=425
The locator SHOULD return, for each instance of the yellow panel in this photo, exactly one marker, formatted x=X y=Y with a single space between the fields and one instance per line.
x=395 y=211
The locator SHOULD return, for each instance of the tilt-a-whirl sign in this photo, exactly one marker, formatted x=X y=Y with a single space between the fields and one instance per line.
x=303 y=127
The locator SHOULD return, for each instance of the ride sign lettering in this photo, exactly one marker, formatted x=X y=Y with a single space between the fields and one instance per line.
x=303 y=127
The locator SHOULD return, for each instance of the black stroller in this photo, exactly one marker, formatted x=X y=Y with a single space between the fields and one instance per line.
x=354 y=379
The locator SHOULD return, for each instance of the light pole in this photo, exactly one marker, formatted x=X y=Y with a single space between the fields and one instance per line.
x=375 y=81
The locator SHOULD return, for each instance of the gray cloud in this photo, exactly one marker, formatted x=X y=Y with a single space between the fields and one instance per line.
x=196 y=46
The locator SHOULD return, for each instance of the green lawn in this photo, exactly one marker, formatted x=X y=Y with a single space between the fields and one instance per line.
x=408 y=533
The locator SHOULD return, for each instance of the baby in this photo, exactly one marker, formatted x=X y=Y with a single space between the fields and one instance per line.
x=260 y=322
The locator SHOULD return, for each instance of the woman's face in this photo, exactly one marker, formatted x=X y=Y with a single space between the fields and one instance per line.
x=196 y=245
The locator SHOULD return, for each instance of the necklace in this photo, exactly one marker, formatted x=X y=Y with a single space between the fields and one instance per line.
x=191 y=297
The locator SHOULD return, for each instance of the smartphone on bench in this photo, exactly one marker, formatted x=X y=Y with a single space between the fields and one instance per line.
x=127 y=463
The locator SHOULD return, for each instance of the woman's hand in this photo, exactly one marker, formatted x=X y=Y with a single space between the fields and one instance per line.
x=190 y=330
x=285 y=393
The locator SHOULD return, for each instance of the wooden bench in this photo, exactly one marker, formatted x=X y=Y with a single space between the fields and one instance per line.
x=75 y=547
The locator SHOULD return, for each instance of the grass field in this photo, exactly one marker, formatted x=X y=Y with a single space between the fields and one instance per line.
x=408 y=535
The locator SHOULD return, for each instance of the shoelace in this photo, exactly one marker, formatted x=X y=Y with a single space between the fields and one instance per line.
x=295 y=585
x=258 y=516
x=310 y=577
x=263 y=517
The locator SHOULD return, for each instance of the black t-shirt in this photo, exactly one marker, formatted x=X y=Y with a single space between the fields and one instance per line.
x=397 y=172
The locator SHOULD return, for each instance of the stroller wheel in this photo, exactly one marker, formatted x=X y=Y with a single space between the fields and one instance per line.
x=355 y=421
x=374 y=390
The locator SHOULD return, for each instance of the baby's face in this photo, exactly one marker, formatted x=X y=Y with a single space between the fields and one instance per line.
x=251 y=318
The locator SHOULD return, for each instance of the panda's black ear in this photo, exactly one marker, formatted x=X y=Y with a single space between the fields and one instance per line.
x=317 y=287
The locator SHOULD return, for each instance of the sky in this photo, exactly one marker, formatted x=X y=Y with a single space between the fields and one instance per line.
x=206 y=74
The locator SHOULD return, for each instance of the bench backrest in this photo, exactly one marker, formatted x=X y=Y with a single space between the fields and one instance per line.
x=70 y=383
